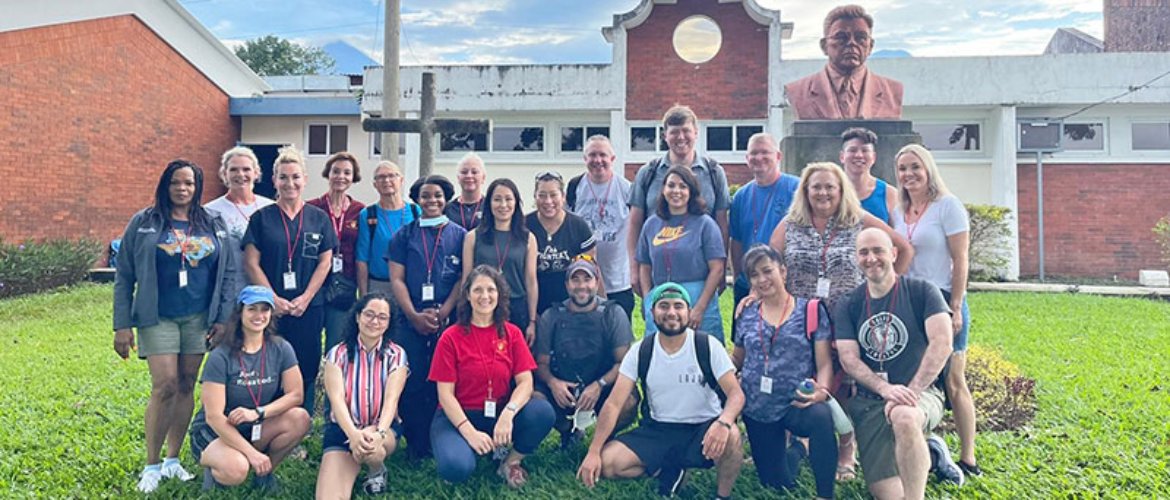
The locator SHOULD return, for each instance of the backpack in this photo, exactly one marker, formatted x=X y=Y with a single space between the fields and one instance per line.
x=812 y=321
x=371 y=214
x=571 y=190
x=702 y=355
x=585 y=356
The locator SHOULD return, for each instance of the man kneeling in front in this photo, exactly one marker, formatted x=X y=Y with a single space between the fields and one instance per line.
x=893 y=338
x=688 y=419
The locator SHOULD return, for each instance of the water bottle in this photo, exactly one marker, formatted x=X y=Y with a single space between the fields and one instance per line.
x=840 y=420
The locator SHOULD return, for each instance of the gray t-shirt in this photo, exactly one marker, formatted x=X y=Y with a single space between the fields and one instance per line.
x=581 y=344
x=678 y=393
x=259 y=370
x=603 y=206
x=678 y=248
x=712 y=184
x=932 y=262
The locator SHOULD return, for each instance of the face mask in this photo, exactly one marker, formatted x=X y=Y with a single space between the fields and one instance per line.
x=435 y=222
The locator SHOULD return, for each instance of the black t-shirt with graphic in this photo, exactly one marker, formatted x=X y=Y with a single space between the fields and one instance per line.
x=267 y=232
x=554 y=253
x=890 y=340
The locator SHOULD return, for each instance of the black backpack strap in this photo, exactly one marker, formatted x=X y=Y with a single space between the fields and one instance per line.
x=416 y=211
x=703 y=355
x=571 y=193
x=371 y=215
x=646 y=182
x=645 y=352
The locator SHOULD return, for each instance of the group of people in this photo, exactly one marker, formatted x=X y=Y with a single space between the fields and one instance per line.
x=468 y=328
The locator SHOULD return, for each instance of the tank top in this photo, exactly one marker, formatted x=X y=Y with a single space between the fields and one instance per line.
x=808 y=259
x=875 y=203
x=513 y=268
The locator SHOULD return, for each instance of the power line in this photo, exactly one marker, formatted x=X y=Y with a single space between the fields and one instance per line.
x=1132 y=89
x=377 y=20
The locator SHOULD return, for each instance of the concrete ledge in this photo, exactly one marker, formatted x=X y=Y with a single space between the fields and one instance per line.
x=101 y=275
x=1123 y=291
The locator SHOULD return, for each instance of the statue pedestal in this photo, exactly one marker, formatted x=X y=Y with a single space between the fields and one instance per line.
x=820 y=140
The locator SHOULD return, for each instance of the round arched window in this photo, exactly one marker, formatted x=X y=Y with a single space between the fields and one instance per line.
x=697 y=39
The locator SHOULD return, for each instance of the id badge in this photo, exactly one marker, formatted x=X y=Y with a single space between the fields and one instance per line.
x=290 y=280
x=338 y=264
x=428 y=292
x=823 y=287
x=256 y=430
x=489 y=409
x=885 y=376
x=182 y=278
x=766 y=385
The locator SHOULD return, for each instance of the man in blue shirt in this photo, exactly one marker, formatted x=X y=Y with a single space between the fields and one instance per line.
x=760 y=205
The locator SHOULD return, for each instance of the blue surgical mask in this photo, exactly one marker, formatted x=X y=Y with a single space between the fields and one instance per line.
x=435 y=222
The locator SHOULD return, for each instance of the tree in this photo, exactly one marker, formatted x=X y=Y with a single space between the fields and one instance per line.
x=273 y=56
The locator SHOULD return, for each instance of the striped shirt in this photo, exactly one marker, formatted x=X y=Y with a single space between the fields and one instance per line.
x=365 y=379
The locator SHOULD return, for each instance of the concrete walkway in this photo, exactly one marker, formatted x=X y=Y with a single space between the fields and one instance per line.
x=1125 y=291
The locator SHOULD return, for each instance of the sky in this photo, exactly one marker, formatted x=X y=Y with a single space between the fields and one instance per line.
x=569 y=31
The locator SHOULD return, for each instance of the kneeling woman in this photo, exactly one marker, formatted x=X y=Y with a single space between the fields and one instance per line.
x=774 y=354
x=251 y=416
x=483 y=369
x=364 y=376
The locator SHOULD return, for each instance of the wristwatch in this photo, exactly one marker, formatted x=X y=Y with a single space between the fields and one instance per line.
x=260 y=412
x=513 y=407
x=382 y=432
x=601 y=383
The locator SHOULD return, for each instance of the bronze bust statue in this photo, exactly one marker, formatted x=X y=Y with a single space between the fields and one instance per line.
x=846 y=89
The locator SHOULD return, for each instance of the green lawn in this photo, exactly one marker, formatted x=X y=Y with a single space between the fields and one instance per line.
x=71 y=410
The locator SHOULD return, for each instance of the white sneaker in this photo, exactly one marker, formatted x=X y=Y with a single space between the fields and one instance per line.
x=149 y=481
x=176 y=471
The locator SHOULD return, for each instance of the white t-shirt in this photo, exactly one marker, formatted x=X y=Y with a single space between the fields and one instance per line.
x=235 y=215
x=932 y=262
x=604 y=207
x=677 y=391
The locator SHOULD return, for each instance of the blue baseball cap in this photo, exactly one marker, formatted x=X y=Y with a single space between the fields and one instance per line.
x=669 y=290
x=255 y=294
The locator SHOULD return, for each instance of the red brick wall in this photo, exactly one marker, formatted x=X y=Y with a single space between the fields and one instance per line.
x=1097 y=219
x=657 y=78
x=91 y=113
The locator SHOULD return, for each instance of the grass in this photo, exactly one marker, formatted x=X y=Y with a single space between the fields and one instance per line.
x=71 y=418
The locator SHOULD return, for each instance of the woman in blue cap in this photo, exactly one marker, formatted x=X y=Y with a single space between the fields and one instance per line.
x=251 y=416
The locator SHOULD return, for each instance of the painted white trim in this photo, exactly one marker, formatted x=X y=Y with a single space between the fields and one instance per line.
x=1004 y=189
x=328 y=136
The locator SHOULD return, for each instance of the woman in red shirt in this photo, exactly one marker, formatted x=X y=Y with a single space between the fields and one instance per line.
x=483 y=369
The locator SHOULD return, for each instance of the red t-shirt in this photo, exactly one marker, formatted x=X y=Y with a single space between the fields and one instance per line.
x=480 y=361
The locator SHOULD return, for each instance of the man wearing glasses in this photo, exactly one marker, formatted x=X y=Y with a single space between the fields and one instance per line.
x=846 y=89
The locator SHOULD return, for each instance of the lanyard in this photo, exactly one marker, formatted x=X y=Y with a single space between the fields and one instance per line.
x=487 y=364
x=474 y=213
x=825 y=249
x=249 y=206
x=428 y=257
x=775 y=333
x=600 y=201
x=886 y=329
x=181 y=238
x=910 y=228
x=501 y=258
x=260 y=390
x=668 y=247
x=290 y=241
x=758 y=215
x=338 y=222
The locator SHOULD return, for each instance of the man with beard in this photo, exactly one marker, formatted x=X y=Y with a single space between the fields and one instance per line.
x=579 y=344
x=684 y=422
x=893 y=337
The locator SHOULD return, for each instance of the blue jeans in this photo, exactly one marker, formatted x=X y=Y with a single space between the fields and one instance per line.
x=454 y=458
x=712 y=320
x=960 y=339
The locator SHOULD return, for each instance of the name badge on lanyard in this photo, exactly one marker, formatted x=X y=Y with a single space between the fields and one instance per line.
x=182 y=278
x=338 y=263
x=428 y=292
x=489 y=409
x=823 y=284
x=256 y=431
x=290 y=280
x=766 y=385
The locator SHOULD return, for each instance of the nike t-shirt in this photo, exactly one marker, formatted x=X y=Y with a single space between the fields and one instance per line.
x=679 y=247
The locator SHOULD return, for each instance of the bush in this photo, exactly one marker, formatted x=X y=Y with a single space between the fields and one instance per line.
x=32 y=267
x=1162 y=236
x=1004 y=398
x=989 y=252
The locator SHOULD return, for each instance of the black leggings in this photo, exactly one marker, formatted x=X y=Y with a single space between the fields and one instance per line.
x=770 y=447
x=304 y=333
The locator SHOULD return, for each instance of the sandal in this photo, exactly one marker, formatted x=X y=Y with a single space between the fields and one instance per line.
x=846 y=473
x=514 y=474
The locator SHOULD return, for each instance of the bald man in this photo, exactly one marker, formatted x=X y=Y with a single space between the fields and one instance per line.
x=893 y=337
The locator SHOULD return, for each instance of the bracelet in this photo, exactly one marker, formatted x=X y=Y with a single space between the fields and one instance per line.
x=461 y=424
x=725 y=424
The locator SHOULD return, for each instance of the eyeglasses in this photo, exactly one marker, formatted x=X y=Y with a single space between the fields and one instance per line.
x=373 y=316
x=843 y=38
x=549 y=175
x=387 y=177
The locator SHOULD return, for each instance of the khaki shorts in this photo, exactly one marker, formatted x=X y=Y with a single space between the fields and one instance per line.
x=183 y=335
x=875 y=436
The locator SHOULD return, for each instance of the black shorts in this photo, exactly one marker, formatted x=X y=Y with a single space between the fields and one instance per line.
x=202 y=435
x=660 y=444
x=336 y=440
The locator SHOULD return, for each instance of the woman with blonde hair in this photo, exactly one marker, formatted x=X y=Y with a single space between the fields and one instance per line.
x=240 y=171
x=936 y=223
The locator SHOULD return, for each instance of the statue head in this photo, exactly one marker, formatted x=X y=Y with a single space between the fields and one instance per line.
x=848 y=38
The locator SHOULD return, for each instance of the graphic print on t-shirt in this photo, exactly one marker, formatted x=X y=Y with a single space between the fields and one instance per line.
x=883 y=337
x=552 y=258
x=669 y=234
x=196 y=248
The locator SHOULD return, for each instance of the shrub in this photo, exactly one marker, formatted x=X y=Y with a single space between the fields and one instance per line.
x=1004 y=398
x=989 y=252
x=1162 y=236
x=732 y=189
x=31 y=267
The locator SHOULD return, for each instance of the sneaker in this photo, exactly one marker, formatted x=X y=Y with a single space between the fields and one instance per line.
x=671 y=481
x=942 y=464
x=150 y=480
x=299 y=453
x=970 y=470
x=375 y=483
x=267 y=484
x=176 y=470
